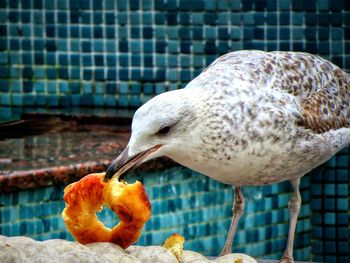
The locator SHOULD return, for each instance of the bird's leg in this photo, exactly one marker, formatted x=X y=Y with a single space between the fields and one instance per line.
x=238 y=206
x=294 y=207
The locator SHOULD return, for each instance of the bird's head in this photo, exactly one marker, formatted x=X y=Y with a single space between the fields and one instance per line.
x=161 y=127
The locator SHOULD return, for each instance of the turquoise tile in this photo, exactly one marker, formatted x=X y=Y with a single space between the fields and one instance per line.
x=87 y=87
x=53 y=101
x=15 y=230
x=123 y=88
x=173 y=47
x=15 y=72
x=52 y=87
x=123 y=100
x=5 y=99
x=172 y=75
x=39 y=72
x=17 y=99
x=63 y=87
x=6 y=215
x=98 y=100
x=110 y=46
x=62 y=45
x=4 y=58
x=148 y=88
x=210 y=33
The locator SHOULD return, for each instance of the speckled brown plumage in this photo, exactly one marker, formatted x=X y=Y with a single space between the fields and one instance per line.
x=322 y=88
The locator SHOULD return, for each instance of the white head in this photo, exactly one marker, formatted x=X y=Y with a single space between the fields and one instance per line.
x=164 y=126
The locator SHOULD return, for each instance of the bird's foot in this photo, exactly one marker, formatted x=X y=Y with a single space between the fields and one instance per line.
x=286 y=259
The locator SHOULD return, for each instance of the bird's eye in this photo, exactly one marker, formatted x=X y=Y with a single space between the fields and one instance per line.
x=164 y=130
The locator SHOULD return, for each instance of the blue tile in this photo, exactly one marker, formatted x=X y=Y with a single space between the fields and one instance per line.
x=198 y=19
x=123 y=60
x=110 y=101
x=98 y=33
x=123 y=74
x=99 y=74
x=98 y=100
x=123 y=46
x=85 y=18
x=87 y=74
x=160 y=88
x=100 y=88
x=172 y=75
x=147 y=74
x=110 y=32
x=173 y=47
x=15 y=86
x=75 y=100
x=111 y=88
x=123 y=88
x=160 y=61
x=147 y=32
x=134 y=101
x=13 y=16
x=173 y=33
x=4 y=86
x=86 y=33
x=28 y=100
x=62 y=45
x=4 y=72
x=86 y=46
x=39 y=59
x=123 y=101
x=74 y=87
x=26 y=30
x=64 y=101
x=148 y=61
x=111 y=46
x=41 y=100
x=13 y=30
x=5 y=99
x=63 y=73
x=51 y=73
x=87 y=87
x=160 y=18
x=38 y=18
x=51 y=87
x=3 y=16
x=111 y=74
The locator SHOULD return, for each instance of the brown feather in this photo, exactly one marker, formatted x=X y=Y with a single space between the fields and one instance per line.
x=322 y=87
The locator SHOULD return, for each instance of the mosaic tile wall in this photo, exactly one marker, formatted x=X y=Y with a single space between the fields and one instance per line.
x=330 y=195
x=61 y=53
x=182 y=202
x=92 y=53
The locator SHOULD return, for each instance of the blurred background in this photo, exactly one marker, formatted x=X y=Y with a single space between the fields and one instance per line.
x=72 y=72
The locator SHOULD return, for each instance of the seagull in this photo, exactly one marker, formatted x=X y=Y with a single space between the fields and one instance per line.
x=250 y=118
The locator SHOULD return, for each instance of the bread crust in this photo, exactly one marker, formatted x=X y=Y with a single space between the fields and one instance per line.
x=87 y=196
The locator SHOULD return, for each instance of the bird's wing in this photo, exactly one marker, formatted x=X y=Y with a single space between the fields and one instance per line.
x=321 y=88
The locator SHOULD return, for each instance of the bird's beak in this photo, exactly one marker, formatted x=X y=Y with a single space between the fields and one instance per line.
x=124 y=162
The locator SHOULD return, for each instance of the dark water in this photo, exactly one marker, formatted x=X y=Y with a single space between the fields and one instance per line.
x=45 y=140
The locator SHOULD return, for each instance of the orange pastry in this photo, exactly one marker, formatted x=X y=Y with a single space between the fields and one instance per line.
x=87 y=196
